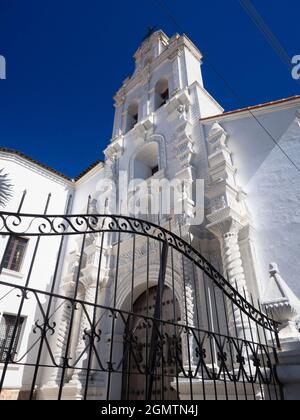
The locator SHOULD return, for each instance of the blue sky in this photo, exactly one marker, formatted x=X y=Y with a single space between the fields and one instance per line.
x=66 y=59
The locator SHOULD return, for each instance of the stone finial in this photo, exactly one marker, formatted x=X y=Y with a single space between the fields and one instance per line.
x=281 y=303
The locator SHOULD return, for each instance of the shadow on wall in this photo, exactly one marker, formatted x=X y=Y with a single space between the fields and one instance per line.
x=272 y=184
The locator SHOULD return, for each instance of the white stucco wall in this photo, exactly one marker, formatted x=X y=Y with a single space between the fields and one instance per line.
x=38 y=183
x=272 y=184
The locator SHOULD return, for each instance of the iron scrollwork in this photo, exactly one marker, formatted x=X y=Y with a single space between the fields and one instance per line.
x=49 y=225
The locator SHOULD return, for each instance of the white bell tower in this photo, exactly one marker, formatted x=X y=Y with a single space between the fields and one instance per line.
x=156 y=129
x=163 y=67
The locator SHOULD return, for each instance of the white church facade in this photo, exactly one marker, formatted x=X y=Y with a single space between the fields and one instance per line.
x=69 y=303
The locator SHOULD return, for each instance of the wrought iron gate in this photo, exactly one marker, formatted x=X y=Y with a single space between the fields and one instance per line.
x=92 y=336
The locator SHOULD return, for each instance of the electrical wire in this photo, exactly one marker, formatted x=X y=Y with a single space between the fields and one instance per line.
x=271 y=38
x=166 y=10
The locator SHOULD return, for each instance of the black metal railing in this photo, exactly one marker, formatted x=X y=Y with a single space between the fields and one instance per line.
x=143 y=316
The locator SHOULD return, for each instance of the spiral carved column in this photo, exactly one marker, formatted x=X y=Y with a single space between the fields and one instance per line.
x=63 y=329
x=234 y=271
x=188 y=319
x=82 y=346
x=232 y=260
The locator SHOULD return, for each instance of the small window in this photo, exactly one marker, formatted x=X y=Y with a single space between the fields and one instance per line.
x=165 y=97
x=154 y=170
x=135 y=118
x=14 y=255
x=132 y=116
x=161 y=93
x=7 y=327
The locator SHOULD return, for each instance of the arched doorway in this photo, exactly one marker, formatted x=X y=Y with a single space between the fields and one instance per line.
x=137 y=345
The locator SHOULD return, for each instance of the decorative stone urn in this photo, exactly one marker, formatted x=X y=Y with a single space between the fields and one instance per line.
x=281 y=304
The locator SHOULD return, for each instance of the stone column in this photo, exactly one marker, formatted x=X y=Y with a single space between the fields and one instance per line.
x=234 y=272
x=119 y=106
x=188 y=318
x=96 y=386
x=63 y=318
x=232 y=261
x=176 y=81
x=82 y=347
x=98 y=377
x=63 y=330
x=227 y=231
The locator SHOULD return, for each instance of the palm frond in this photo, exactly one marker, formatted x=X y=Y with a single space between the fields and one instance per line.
x=5 y=189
